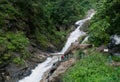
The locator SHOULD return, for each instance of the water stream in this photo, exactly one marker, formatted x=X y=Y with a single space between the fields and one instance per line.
x=38 y=72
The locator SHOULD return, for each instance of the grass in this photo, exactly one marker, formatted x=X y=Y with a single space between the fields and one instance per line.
x=93 y=68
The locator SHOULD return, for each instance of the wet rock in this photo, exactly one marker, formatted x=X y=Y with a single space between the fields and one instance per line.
x=85 y=26
x=56 y=75
x=4 y=76
x=54 y=67
x=24 y=72
x=13 y=72
x=16 y=72
x=38 y=58
x=72 y=47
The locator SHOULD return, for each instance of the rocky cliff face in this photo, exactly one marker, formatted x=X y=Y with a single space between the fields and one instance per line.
x=13 y=72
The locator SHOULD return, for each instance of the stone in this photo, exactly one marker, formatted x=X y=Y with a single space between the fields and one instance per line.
x=55 y=76
x=15 y=72
x=84 y=46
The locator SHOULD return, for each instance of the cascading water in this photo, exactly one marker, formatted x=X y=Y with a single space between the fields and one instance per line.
x=86 y=39
x=38 y=72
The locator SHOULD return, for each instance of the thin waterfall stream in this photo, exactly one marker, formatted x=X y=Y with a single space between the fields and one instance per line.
x=39 y=71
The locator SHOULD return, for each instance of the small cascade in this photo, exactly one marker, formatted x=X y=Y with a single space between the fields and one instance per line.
x=38 y=72
x=86 y=39
x=115 y=39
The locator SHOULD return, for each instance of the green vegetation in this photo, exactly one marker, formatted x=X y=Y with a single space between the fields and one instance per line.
x=105 y=23
x=93 y=68
x=45 y=24
x=116 y=58
x=18 y=61
x=11 y=43
x=96 y=67
x=42 y=22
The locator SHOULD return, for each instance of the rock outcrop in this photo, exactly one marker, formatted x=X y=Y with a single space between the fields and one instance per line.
x=56 y=75
x=12 y=72
x=76 y=46
x=85 y=26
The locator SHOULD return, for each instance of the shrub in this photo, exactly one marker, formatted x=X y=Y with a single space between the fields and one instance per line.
x=18 y=61
x=93 y=68
x=105 y=22
x=13 y=42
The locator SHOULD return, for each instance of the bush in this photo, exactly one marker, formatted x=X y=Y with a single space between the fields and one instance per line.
x=105 y=22
x=11 y=43
x=18 y=61
x=93 y=68
x=16 y=42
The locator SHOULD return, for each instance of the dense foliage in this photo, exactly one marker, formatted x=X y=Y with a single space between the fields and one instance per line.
x=11 y=43
x=96 y=67
x=42 y=22
x=93 y=68
x=106 y=22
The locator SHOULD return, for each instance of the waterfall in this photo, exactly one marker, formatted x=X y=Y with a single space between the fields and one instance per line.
x=38 y=72
x=75 y=34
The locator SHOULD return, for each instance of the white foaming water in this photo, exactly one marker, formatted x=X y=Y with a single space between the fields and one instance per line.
x=39 y=71
x=75 y=34
x=73 y=37
x=117 y=39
